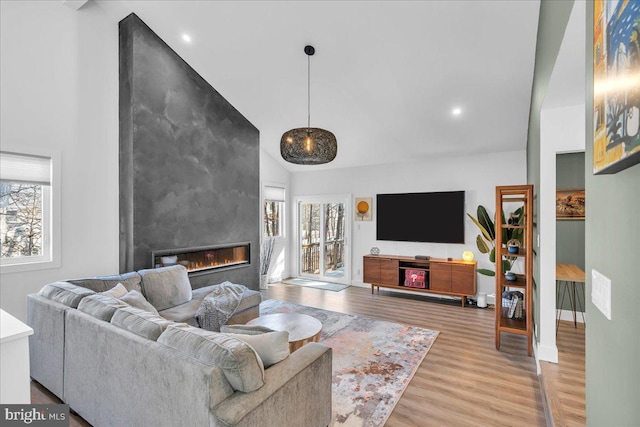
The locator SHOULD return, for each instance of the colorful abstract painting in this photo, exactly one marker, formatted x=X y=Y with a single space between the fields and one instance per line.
x=616 y=90
x=570 y=203
x=373 y=361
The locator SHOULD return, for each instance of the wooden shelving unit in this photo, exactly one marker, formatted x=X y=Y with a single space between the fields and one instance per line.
x=510 y=195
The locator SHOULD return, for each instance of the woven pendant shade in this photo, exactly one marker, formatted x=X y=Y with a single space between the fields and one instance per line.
x=308 y=146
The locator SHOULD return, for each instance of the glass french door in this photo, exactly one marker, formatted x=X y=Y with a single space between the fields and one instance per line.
x=323 y=228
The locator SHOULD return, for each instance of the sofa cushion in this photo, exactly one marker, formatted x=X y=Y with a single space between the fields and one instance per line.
x=166 y=287
x=104 y=283
x=272 y=347
x=140 y=322
x=185 y=312
x=136 y=299
x=118 y=291
x=65 y=293
x=239 y=362
x=101 y=306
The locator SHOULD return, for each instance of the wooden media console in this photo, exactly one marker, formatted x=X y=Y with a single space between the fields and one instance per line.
x=454 y=278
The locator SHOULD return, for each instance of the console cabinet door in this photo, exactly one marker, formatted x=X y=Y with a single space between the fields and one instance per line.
x=463 y=279
x=371 y=270
x=389 y=272
x=440 y=277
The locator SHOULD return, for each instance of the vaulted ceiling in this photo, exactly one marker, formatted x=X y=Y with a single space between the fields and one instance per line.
x=385 y=78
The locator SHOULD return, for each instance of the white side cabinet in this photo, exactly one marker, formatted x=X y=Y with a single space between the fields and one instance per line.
x=15 y=387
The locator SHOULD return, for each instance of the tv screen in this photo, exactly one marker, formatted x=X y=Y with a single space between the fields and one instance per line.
x=421 y=217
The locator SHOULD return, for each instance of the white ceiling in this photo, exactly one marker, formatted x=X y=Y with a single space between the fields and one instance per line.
x=385 y=77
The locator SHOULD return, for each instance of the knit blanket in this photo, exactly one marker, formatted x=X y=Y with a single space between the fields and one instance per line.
x=219 y=305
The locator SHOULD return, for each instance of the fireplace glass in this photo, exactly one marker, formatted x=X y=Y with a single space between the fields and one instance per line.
x=203 y=258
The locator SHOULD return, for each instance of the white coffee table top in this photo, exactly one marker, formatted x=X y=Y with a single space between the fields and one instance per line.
x=300 y=326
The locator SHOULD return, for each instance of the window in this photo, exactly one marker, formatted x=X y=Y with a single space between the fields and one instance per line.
x=273 y=211
x=25 y=208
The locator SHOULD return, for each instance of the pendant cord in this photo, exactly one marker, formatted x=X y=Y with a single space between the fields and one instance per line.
x=308 y=92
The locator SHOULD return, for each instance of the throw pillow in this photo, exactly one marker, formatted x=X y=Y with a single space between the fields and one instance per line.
x=272 y=347
x=245 y=329
x=117 y=291
x=65 y=293
x=101 y=306
x=166 y=287
x=239 y=362
x=140 y=322
x=104 y=283
x=136 y=299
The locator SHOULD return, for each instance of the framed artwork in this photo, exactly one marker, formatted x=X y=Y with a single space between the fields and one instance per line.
x=570 y=203
x=363 y=208
x=616 y=85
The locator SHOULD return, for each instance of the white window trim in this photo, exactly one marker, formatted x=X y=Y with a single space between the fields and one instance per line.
x=52 y=238
x=283 y=213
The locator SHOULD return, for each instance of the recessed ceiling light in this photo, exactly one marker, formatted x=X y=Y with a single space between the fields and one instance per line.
x=186 y=37
x=456 y=111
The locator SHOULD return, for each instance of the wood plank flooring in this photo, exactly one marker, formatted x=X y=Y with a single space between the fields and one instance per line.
x=463 y=381
x=565 y=381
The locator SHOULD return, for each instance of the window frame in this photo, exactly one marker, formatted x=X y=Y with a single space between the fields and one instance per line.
x=51 y=195
x=283 y=211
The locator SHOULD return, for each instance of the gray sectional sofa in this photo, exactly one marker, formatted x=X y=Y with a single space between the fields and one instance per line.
x=115 y=364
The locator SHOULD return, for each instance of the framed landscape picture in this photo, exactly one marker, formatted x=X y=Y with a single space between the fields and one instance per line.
x=570 y=203
x=616 y=85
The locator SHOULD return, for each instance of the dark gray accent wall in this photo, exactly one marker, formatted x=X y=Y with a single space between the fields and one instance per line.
x=189 y=161
x=570 y=233
x=552 y=22
x=612 y=248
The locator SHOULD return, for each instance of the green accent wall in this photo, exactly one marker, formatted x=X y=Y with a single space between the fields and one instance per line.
x=552 y=22
x=612 y=248
x=570 y=233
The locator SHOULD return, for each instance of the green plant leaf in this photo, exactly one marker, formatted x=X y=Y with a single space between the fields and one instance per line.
x=506 y=234
x=485 y=220
x=492 y=255
x=506 y=265
x=482 y=245
x=486 y=272
x=484 y=231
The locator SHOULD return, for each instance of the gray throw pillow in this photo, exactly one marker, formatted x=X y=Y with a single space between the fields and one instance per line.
x=103 y=283
x=140 y=322
x=166 y=287
x=118 y=291
x=101 y=306
x=272 y=347
x=65 y=293
x=240 y=364
x=136 y=299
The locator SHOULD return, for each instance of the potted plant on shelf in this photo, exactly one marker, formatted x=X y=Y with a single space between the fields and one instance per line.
x=486 y=240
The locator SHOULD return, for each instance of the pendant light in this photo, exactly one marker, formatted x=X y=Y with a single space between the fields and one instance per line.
x=307 y=145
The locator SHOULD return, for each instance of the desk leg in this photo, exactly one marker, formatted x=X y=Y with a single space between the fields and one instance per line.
x=580 y=305
x=572 y=301
x=559 y=310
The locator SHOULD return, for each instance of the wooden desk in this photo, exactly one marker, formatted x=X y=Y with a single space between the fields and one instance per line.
x=570 y=274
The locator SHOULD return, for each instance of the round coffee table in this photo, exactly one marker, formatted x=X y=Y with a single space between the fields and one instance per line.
x=302 y=328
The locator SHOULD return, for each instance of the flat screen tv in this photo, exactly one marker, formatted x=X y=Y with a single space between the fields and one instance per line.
x=421 y=217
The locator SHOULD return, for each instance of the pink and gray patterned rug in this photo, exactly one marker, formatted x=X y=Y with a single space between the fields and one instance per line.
x=373 y=361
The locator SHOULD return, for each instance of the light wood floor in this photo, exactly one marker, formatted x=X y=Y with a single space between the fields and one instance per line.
x=463 y=381
x=564 y=382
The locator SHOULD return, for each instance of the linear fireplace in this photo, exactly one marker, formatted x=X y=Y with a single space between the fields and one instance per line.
x=203 y=259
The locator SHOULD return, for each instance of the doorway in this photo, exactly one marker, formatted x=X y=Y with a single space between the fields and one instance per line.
x=323 y=227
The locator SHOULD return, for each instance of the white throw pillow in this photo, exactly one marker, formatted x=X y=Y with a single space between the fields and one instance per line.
x=118 y=291
x=272 y=347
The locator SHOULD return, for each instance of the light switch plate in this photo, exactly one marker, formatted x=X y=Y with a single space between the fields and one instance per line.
x=601 y=292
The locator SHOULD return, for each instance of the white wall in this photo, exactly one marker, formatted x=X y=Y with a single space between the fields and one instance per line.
x=562 y=130
x=271 y=172
x=59 y=91
x=477 y=175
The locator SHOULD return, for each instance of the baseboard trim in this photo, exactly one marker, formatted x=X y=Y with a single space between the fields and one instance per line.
x=568 y=315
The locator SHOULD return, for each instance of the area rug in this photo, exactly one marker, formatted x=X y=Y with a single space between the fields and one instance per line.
x=373 y=361
x=336 y=287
